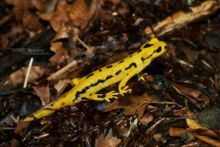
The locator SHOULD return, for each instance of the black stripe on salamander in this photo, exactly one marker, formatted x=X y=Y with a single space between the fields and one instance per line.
x=118 y=72
x=143 y=59
x=50 y=109
x=132 y=64
x=121 y=61
x=157 y=50
x=147 y=45
x=89 y=75
x=138 y=51
x=108 y=77
x=109 y=66
x=32 y=116
x=78 y=93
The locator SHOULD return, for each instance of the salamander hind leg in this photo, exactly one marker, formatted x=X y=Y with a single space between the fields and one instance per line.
x=101 y=97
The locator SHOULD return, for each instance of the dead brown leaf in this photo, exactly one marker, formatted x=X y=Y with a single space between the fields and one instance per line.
x=181 y=112
x=18 y=76
x=12 y=2
x=115 y=2
x=183 y=90
x=68 y=18
x=31 y=22
x=20 y=8
x=146 y=119
x=191 y=54
x=21 y=11
x=6 y=18
x=43 y=92
x=194 y=126
x=61 y=53
x=107 y=141
x=4 y=41
x=14 y=143
x=44 y=6
x=82 y=13
x=69 y=21
x=20 y=126
x=208 y=140
x=59 y=19
x=200 y=132
x=176 y=132
x=132 y=104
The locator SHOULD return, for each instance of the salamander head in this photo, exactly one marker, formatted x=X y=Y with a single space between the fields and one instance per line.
x=153 y=49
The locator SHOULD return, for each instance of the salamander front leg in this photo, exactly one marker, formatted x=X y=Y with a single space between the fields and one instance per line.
x=122 y=85
x=141 y=76
x=101 y=97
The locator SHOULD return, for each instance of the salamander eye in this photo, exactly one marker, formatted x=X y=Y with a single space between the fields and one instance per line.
x=165 y=47
x=158 y=49
x=147 y=45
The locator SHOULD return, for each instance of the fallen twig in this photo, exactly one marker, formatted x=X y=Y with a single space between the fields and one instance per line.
x=180 y=19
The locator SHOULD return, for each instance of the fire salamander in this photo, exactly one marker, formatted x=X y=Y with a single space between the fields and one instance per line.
x=121 y=71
